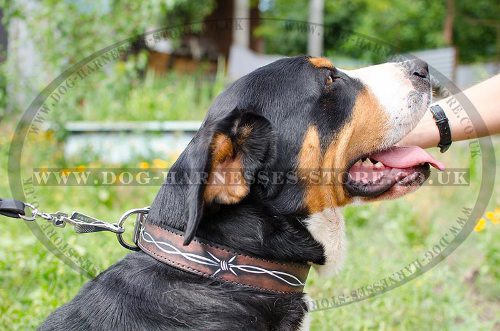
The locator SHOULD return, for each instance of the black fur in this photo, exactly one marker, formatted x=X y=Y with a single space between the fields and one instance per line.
x=279 y=101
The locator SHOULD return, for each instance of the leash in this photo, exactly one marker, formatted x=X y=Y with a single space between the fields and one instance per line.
x=81 y=223
x=167 y=245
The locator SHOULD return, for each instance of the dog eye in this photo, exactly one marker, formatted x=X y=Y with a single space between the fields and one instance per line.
x=329 y=80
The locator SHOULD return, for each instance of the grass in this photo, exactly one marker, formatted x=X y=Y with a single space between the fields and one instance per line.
x=461 y=293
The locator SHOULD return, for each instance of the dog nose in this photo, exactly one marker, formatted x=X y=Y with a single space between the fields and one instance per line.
x=419 y=68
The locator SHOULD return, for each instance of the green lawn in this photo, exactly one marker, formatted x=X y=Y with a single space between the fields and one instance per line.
x=461 y=293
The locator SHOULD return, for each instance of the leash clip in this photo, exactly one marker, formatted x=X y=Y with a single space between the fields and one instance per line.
x=81 y=222
x=35 y=212
x=85 y=224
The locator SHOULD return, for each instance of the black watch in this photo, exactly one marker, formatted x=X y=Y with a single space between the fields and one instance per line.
x=443 y=127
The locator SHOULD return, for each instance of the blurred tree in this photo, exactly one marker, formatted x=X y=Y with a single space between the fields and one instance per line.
x=279 y=37
x=55 y=34
x=476 y=31
x=67 y=31
x=448 y=22
x=406 y=25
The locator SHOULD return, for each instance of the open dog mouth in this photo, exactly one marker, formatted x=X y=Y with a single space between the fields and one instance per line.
x=373 y=175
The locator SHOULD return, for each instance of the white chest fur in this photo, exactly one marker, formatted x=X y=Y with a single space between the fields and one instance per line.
x=327 y=228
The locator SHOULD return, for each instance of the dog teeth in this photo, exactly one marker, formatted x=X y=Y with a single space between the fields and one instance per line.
x=367 y=163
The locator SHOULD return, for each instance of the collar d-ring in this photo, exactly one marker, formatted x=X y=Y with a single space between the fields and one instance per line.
x=141 y=216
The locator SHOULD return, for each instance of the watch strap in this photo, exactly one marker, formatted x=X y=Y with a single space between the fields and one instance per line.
x=443 y=127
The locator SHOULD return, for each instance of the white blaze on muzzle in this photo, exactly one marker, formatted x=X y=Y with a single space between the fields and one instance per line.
x=393 y=86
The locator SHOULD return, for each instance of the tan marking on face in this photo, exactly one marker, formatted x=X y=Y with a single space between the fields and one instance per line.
x=363 y=134
x=309 y=162
x=226 y=183
x=370 y=125
x=336 y=161
x=321 y=62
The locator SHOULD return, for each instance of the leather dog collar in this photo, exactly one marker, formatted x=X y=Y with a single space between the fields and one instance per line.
x=221 y=263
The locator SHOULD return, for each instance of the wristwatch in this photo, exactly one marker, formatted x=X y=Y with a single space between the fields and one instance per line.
x=443 y=127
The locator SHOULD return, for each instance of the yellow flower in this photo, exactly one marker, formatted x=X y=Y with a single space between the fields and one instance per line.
x=65 y=172
x=143 y=165
x=494 y=216
x=121 y=67
x=158 y=163
x=49 y=134
x=480 y=225
x=81 y=168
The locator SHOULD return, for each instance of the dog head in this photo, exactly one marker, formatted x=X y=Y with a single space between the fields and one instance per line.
x=308 y=136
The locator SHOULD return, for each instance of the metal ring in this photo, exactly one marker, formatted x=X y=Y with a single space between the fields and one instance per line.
x=122 y=220
x=27 y=218
x=34 y=213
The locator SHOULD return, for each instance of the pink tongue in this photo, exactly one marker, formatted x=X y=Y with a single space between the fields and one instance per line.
x=406 y=157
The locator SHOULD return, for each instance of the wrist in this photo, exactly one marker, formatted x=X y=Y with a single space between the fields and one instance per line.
x=425 y=134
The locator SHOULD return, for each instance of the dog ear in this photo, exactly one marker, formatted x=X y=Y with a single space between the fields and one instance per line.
x=241 y=144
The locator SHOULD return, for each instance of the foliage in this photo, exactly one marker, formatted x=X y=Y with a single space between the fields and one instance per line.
x=477 y=30
x=280 y=38
x=67 y=31
x=405 y=25
x=402 y=23
x=121 y=93
x=3 y=90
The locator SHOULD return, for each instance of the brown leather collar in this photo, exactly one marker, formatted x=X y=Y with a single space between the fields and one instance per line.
x=215 y=261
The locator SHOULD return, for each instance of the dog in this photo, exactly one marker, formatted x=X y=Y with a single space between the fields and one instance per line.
x=300 y=118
